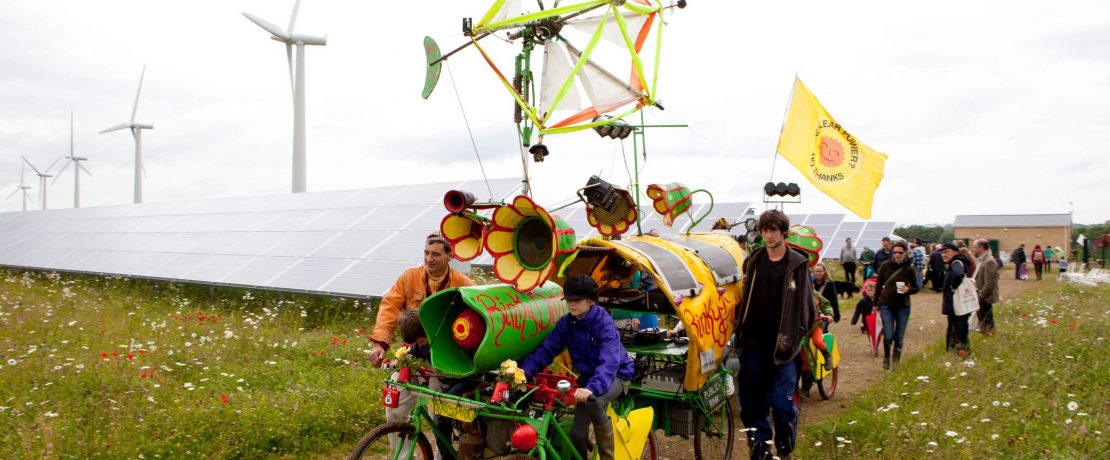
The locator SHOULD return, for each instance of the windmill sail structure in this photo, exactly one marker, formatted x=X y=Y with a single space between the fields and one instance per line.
x=600 y=58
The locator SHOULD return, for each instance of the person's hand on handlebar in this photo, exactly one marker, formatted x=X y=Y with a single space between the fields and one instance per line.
x=377 y=354
x=582 y=395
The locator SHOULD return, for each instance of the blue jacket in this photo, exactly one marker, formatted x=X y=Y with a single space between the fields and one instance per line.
x=595 y=350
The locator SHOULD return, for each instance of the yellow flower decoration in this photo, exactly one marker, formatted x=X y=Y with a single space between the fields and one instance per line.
x=519 y=376
x=465 y=233
x=610 y=224
x=401 y=353
x=508 y=363
x=526 y=243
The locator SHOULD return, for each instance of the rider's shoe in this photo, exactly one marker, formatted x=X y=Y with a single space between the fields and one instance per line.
x=828 y=360
x=897 y=356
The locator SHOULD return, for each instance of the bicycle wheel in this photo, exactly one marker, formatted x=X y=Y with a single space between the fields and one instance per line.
x=827 y=386
x=651 y=449
x=376 y=444
x=715 y=434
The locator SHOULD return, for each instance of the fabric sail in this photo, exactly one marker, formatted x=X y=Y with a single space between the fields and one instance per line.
x=828 y=155
x=579 y=85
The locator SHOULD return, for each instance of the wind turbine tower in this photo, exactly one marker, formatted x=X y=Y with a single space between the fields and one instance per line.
x=42 y=179
x=296 y=82
x=21 y=187
x=137 y=133
x=77 y=168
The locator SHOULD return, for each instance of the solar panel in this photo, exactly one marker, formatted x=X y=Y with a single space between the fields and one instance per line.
x=348 y=242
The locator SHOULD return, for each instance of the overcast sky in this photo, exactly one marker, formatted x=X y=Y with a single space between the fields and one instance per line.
x=983 y=107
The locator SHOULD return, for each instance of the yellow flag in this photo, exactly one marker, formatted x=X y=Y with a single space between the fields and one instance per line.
x=828 y=155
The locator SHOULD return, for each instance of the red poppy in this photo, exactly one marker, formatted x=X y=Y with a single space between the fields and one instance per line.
x=103 y=354
x=142 y=351
x=223 y=399
x=130 y=356
x=344 y=341
x=143 y=375
x=115 y=353
x=362 y=331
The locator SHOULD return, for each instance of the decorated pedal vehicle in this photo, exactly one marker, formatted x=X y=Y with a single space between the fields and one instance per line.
x=680 y=387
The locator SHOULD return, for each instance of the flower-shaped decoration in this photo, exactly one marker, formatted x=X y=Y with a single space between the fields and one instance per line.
x=465 y=233
x=405 y=359
x=527 y=243
x=617 y=222
x=511 y=374
x=670 y=200
x=805 y=239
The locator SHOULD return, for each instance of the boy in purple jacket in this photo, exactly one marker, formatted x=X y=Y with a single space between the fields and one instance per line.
x=603 y=366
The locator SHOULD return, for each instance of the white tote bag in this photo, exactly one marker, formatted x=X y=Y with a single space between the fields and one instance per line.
x=966 y=298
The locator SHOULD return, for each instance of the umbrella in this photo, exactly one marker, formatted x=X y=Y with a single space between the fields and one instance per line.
x=874 y=331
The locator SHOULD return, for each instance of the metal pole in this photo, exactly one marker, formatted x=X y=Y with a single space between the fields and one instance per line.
x=299 y=182
x=76 y=183
x=138 y=135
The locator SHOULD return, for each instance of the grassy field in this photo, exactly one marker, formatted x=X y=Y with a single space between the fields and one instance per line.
x=1037 y=389
x=111 y=368
x=96 y=367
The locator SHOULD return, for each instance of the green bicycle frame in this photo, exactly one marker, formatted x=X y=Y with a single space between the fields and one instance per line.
x=552 y=436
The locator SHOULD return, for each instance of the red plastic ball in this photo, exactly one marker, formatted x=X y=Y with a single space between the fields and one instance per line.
x=468 y=330
x=525 y=437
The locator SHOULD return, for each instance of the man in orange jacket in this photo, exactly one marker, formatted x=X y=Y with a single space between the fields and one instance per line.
x=411 y=288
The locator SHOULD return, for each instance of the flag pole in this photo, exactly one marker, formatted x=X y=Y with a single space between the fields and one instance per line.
x=789 y=101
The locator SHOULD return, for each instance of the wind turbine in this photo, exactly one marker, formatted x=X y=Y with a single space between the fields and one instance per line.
x=42 y=179
x=77 y=168
x=296 y=82
x=137 y=133
x=22 y=188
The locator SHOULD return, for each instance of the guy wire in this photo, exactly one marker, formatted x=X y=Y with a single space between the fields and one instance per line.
x=468 y=131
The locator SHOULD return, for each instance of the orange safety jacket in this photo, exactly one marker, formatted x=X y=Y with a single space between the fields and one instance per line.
x=410 y=289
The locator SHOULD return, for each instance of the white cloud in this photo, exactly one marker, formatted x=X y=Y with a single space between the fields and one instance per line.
x=1002 y=100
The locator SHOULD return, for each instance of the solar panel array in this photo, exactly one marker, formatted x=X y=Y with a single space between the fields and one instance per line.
x=863 y=234
x=348 y=243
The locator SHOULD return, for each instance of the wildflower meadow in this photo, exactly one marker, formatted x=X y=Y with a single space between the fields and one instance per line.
x=1036 y=389
x=94 y=367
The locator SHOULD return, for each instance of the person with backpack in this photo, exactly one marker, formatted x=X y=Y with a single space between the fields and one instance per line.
x=956 y=339
x=1039 y=260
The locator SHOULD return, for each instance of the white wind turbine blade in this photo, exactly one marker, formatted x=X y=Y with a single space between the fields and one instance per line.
x=58 y=175
x=22 y=172
x=135 y=108
x=54 y=163
x=83 y=168
x=293 y=18
x=116 y=128
x=17 y=190
x=36 y=170
x=268 y=27
x=71 y=132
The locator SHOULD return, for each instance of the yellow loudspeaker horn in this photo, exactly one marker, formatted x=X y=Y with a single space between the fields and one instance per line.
x=465 y=232
x=527 y=243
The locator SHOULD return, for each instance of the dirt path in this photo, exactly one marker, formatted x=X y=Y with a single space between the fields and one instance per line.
x=858 y=369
